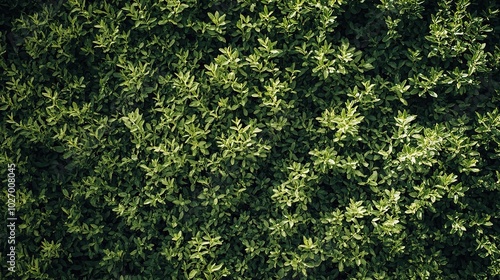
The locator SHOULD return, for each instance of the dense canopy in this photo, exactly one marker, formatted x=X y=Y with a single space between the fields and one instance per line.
x=243 y=139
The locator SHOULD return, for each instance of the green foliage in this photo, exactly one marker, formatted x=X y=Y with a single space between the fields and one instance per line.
x=185 y=139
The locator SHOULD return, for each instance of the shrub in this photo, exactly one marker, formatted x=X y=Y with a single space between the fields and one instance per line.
x=252 y=139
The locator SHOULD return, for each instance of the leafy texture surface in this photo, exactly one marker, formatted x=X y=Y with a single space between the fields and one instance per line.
x=238 y=139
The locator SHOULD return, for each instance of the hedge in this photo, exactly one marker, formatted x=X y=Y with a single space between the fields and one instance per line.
x=239 y=139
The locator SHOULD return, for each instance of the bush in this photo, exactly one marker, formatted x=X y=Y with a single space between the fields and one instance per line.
x=167 y=139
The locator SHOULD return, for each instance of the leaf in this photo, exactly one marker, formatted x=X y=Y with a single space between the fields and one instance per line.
x=193 y=274
x=213 y=268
